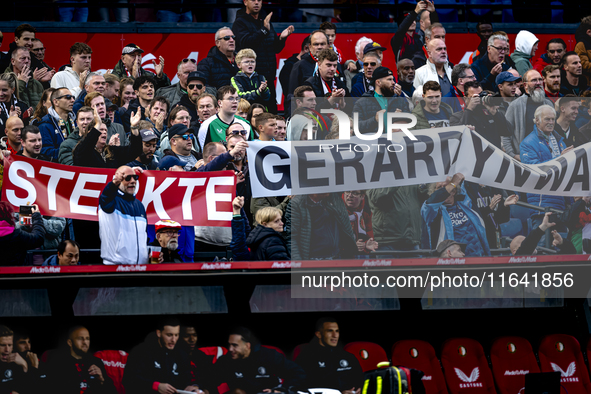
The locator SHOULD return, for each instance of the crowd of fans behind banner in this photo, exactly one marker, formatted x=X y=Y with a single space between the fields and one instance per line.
x=532 y=103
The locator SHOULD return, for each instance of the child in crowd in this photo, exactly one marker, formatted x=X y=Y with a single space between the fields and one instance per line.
x=250 y=85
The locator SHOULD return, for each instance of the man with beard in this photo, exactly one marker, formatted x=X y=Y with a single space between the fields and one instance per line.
x=173 y=93
x=380 y=101
x=12 y=366
x=555 y=50
x=167 y=237
x=460 y=74
x=32 y=143
x=568 y=109
x=158 y=365
x=96 y=101
x=493 y=63
x=437 y=68
x=196 y=82
x=520 y=113
x=326 y=82
x=406 y=76
x=122 y=216
x=573 y=81
x=147 y=160
x=552 y=78
x=371 y=61
x=74 y=370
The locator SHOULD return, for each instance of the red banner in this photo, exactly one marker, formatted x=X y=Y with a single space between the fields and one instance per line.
x=190 y=198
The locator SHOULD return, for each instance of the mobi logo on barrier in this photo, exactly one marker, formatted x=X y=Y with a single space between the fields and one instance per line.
x=393 y=122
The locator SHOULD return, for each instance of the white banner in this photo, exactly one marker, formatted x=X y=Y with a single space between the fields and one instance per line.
x=309 y=167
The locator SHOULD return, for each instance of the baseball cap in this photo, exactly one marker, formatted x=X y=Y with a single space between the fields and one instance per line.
x=178 y=129
x=506 y=76
x=169 y=161
x=148 y=135
x=447 y=243
x=197 y=76
x=373 y=46
x=380 y=72
x=131 y=48
x=167 y=224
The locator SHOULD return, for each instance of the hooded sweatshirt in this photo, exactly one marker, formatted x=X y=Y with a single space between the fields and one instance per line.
x=524 y=42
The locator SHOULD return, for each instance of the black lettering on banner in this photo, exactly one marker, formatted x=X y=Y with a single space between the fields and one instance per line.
x=481 y=155
x=340 y=163
x=581 y=161
x=558 y=179
x=412 y=157
x=283 y=169
x=445 y=154
x=304 y=165
x=521 y=173
x=503 y=171
x=380 y=167
x=544 y=178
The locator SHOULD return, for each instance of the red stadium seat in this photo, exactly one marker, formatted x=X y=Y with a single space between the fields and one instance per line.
x=562 y=353
x=297 y=350
x=369 y=354
x=512 y=358
x=421 y=355
x=466 y=368
x=274 y=348
x=215 y=351
x=114 y=361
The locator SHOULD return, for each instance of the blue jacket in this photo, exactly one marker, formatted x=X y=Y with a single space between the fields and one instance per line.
x=240 y=230
x=52 y=260
x=122 y=227
x=535 y=150
x=481 y=69
x=51 y=136
x=438 y=222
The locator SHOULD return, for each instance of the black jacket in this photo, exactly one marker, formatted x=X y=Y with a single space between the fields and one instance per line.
x=330 y=367
x=170 y=256
x=529 y=244
x=490 y=127
x=575 y=137
x=251 y=33
x=285 y=73
x=267 y=244
x=85 y=154
x=368 y=105
x=301 y=71
x=68 y=375
x=149 y=363
x=134 y=106
x=15 y=241
x=316 y=82
x=191 y=108
x=259 y=371
x=217 y=69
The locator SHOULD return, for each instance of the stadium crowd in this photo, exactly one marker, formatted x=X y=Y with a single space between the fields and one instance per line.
x=534 y=107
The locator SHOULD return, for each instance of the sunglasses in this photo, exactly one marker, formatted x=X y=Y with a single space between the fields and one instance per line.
x=227 y=38
x=186 y=137
x=373 y=64
x=195 y=85
x=128 y=177
x=236 y=132
x=190 y=60
x=67 y=97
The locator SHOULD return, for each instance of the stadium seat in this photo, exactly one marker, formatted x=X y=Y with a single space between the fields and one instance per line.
x=512 y=358
x=274 y=348
x=562 y=353
x=114 y=361
x=368 y=354
x=521 y=213
x=466 y=368
x=420 y=355
x=297 y=350
x=215 y=351
x=512 y=228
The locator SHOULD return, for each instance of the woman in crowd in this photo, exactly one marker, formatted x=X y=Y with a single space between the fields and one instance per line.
x=15 y=242
x=42 y=106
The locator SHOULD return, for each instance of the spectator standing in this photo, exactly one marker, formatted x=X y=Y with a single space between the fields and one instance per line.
x=572 y=81
x=437 y=67
x=265 y=241
x=15 y=241
x=552 y=82
x=583 y=47
x=555 y=50
x=10 y=105
x=173 y=93
x=130 y=66
x=526 y=45
x=251 y=86
x=219 y=66
x=567 y=109
x=493 y=62
x=431 y=112
x=59 y=122
x=12 y=140
x=73 y=77
x=30 y=90
x=84 y=119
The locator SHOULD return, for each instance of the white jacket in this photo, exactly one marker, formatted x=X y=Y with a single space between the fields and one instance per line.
x=428 y=72
x=67 y=79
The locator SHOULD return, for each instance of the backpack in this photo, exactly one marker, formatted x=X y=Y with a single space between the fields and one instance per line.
x=392 y=380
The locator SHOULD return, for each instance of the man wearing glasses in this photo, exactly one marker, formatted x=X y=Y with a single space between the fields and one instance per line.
x=195 y=87
x=167 y=237
x=488 y=67
x=175 y=92
x=181 y=146
x=219 y=66
x=122 y=221
x=57 y=125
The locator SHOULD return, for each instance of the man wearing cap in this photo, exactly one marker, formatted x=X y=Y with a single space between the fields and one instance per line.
x=449 y=249
x=370 y=48
x=167 y=237
x=371 y=61
x=196 y=82
x=377 y=103
x=507 y=85
x=130 y=66
x=122 y=221
x=147 y=160
x=182 y=139
x=173 y=93
x=437 y=67
x=326 y=82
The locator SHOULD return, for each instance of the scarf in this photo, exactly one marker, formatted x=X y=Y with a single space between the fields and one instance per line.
x=60 y=122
